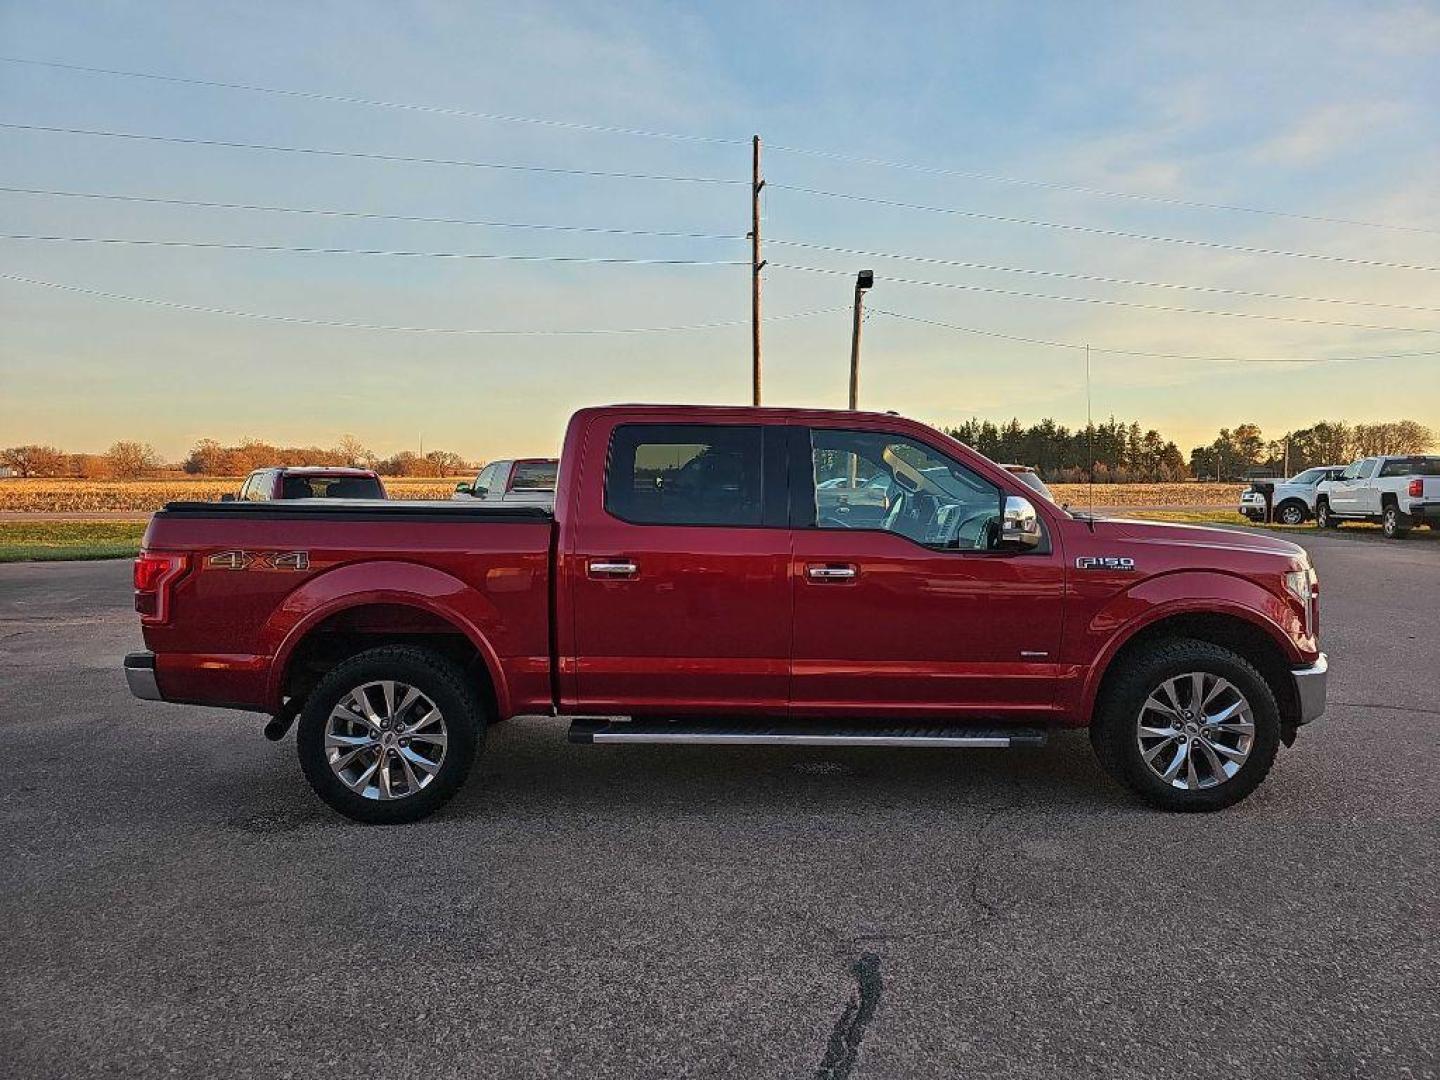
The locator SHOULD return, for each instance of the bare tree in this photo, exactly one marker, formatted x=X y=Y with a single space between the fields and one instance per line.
x=131 y=460
x=34 y=460
x=352 y=452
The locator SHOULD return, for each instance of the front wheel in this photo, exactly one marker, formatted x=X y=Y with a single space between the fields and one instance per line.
x=1188 y=726
x=1291 y=513
x=389 y=735
x=1324 y=518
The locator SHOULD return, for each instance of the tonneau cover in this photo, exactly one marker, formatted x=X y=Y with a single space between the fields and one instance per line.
x=361 y=510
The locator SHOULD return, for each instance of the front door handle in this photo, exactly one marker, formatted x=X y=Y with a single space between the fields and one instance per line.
x=830 y=573
x=612 y=568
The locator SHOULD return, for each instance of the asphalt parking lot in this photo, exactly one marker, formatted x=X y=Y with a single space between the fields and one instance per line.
x=176 y=902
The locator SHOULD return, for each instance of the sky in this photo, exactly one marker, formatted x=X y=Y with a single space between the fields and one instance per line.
x=1102 y=118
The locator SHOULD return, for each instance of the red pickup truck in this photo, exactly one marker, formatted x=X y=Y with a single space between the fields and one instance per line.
x=689 y=586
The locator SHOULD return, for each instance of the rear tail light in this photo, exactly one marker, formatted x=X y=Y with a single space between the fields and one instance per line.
x=155 y=573
x=1417 y=488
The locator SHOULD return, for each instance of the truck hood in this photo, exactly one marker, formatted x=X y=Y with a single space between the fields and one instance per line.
x=1171 y=534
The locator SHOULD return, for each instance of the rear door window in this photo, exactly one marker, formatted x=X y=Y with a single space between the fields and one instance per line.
x=1420 y=466
x=686 y=474
x=534 y=476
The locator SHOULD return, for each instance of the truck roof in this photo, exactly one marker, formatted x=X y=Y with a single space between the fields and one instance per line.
x=778 y=411
x=321 y=470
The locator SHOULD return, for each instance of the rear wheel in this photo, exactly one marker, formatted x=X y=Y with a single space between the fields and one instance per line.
x=1188 y=726
x=389 y=735
x=1393 y=523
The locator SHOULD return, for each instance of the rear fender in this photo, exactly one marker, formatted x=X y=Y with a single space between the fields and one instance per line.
x=383 y=582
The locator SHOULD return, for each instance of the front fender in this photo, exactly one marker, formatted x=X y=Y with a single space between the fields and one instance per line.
x=1188 y=592
x=383 y=581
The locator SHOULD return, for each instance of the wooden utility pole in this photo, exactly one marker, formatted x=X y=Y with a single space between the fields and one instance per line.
x=756 y=265
x=863 y=280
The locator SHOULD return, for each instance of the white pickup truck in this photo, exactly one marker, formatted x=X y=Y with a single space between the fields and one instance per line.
x=1291 y=502
x=1398 y=492
x=524 y=481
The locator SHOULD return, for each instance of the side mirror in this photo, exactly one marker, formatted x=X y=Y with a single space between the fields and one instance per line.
x=1019 y=524
x=228 y=496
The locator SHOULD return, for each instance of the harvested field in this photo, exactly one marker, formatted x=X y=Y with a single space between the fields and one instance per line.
x=88 y=496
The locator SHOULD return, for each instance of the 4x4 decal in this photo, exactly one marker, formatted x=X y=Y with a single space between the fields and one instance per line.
x=267 y=560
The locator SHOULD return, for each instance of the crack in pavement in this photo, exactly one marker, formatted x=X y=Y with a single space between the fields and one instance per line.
x=843 y=1050
x=983 y=851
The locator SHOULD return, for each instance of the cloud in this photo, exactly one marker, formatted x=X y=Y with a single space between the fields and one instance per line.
x=1330 y=131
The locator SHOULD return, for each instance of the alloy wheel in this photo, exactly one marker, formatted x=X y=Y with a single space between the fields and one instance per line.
x=1195 y=730
x=385 y=740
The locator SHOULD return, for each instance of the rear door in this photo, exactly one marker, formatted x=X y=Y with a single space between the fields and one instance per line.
x=916 y=613
x=678 y=570
x=1365 y=493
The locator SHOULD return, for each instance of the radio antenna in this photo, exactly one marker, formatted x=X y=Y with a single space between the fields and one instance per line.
x=1089 y=439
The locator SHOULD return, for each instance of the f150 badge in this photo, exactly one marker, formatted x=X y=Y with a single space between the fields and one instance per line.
x=1104 y=562
x=267 y=560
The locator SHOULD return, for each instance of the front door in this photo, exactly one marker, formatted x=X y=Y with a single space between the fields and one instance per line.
x=918 y=613
x=679 y=585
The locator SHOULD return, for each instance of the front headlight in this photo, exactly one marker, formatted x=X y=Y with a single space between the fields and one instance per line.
x=1304 y=585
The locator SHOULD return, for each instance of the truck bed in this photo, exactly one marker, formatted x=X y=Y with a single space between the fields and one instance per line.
x=261 y=575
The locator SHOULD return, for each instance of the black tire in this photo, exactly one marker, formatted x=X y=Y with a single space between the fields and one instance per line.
x=1291 y=512
x=435 y=677
x=1393 y=523
x=1324 y=519
x=1113 y=729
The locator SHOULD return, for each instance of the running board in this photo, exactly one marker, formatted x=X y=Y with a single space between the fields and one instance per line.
x=799 y=733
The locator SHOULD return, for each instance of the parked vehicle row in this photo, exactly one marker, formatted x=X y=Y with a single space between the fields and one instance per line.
x=693 y=579
x=1397 y=492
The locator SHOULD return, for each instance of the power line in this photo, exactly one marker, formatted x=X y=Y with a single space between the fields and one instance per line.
x=303 y=250
x=345 y=99
x=369 y=156
x=369 y=215
x=1213 y=245
x=331 y=323
x=1149 y=353
x=1070 y=276
x=832 y=155
x=1115 y=303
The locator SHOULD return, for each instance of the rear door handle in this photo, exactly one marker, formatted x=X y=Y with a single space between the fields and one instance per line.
x=830 y=573
x=613 y=568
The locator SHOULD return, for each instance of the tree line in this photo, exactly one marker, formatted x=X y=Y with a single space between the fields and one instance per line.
x=1118 y=452
x=1121 y=453
x=127 y=460
x=1244 y=449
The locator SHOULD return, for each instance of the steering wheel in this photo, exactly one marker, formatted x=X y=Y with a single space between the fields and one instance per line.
x=956 y=533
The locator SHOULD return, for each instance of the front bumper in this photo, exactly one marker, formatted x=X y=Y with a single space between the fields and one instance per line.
x=1310 y=689
x=140 y=676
